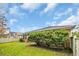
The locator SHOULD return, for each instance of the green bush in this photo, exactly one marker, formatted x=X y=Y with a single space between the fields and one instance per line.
x=22 y=40
x=49 y=37
x=3 y=36
x=76 y=33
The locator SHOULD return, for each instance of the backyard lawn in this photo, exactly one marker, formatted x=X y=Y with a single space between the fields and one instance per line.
x=23 y=49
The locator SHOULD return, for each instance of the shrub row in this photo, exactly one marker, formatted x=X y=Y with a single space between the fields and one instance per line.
x=49 y=38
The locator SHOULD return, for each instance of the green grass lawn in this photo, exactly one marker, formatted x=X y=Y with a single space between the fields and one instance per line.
x=22 y=49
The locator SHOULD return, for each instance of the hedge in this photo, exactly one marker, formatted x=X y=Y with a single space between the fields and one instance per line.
x=49 y=38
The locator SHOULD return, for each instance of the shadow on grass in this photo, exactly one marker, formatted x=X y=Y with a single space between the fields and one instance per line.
x=63 y=50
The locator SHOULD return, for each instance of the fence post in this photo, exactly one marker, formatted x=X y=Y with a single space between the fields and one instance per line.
x=74 y=46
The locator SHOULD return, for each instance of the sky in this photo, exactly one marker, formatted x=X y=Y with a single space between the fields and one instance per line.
x=24 y=17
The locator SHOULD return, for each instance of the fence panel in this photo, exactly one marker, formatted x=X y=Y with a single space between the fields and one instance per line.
x=3 y=40
x=77 y=47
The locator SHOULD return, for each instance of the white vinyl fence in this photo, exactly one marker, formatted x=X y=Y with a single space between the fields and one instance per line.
x=3 y=40
x=75 y=46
